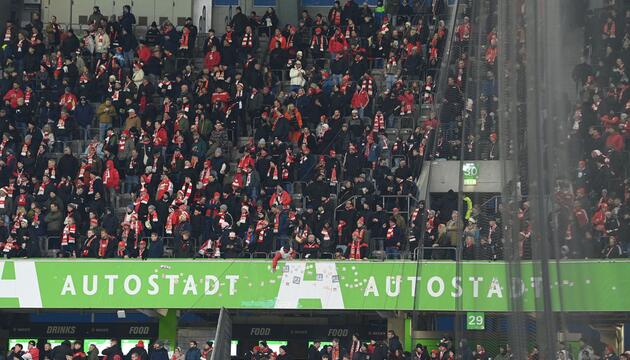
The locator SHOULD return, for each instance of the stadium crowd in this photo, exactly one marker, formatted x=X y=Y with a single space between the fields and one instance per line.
x=390 y=348
x=166 y=131
x=222 y=146
x=596 y=216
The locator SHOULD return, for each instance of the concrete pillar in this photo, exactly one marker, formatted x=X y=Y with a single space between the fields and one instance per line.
x=167 y=329
x=401 y=325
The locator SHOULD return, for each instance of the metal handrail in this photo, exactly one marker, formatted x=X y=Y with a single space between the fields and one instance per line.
x=418 y=253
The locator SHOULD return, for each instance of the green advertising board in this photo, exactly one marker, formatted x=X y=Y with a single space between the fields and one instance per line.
x=240 y=284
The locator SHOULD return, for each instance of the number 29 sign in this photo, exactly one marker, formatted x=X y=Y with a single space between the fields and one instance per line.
x=475 y=321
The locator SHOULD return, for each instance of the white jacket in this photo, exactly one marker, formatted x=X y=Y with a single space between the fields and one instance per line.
x=297 y=77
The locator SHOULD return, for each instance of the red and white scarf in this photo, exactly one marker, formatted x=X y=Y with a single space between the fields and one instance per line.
x=379 y=122
x=390 y=232
x=247 y=41
x=69 y=234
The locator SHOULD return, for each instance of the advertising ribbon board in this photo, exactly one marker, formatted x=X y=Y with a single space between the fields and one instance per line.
x=345 y=285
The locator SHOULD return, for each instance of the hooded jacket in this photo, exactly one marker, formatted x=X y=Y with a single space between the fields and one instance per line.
x=111 y=178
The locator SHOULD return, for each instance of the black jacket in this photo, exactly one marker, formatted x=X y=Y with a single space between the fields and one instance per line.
x=313 y=353
x=159 y=354
x=112 y=351
x=394 y=344
x=61 y=351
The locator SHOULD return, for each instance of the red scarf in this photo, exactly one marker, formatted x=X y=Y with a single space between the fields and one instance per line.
x=121 y=143
x=143 y=198
x=261 y=227
x=367 y=85
x=340 y=226
x=390 y=232
x=290 y=40
x=336 y=17
x=21 y=201
x=27 y=97
x=42 y=187
x=244 y=215
x=247 y=41
x=379 y=122
x=415 y=215
x=187 y=190
x=102 y=247
x=69 y=234
x=318 y=41
x=61 y=124
x=176 y=156
x=273 y=168
x=50 y=172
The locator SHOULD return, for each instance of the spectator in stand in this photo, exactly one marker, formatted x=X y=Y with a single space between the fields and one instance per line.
x=158 y=352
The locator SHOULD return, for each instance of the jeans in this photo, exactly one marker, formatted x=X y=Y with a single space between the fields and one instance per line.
x=391 y=121
x=390 y=79
x=288 y=186
x=336 y=78
x=392 y=252
x=294 y=88
x=103 y=130
x=86 y=132
x=128 y=56
x=130 y=182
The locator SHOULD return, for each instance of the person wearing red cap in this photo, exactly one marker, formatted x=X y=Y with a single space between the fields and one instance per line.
x=319 y=44
x=121 y=251
x=491 y=148
x=138 y=351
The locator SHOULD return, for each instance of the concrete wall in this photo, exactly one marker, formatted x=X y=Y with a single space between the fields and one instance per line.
x=445 y=176
x=144 y=10
x=10 y=10
x=220 y=12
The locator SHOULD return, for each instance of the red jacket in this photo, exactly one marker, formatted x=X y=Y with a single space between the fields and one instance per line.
x=12 y=96
x=337 y=46
x=277 y=43
x=161 y=138
x=111 y=178
x=212 y=59
x=144 y=54
x=616 y=141
x=223 y=97
x=360 y=99
x=283 y=199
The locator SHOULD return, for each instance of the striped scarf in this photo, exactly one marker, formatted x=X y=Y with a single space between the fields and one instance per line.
x=68 y=235
x=247 y=41
x=367 y=85
x=102 y=247
x=379 y=122
x=390 y=232
x=187 y=190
